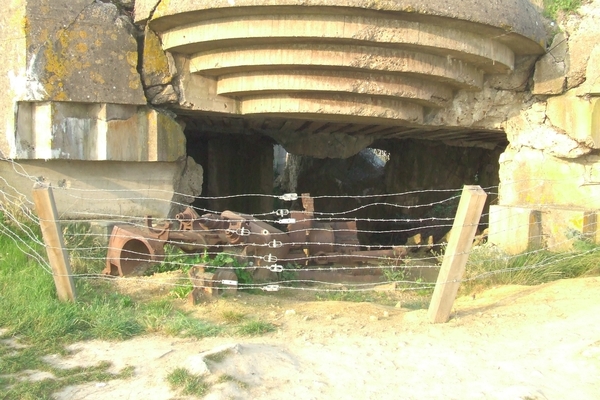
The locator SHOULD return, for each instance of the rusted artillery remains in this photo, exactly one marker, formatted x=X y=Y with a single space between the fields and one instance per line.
x=307 y=241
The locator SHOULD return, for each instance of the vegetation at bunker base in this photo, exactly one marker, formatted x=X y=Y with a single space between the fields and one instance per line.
x=553 y=7
x=31 y=312
x=42 y=325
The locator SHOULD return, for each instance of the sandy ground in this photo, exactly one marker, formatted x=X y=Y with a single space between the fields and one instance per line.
x=527 y=343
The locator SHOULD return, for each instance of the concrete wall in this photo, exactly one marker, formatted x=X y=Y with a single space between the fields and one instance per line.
x=552 y=165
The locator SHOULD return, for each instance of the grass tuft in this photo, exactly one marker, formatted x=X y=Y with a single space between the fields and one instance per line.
x=552 y=8
x=489 y=266
x=255 y=327
x=233 y=317
x=187 y=383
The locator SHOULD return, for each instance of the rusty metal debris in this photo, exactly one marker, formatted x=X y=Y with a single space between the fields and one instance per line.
x=211 y=284
x=307 y=241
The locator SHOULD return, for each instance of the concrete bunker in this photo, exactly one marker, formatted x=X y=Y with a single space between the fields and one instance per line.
x=320 y=78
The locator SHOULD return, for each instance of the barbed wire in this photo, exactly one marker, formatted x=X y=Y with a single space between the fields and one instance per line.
x=92 y=246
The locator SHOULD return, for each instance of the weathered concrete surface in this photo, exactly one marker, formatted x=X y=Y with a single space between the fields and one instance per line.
x=532 y=178
x=551 y=164
x=550 y=70
x=91 y=58
x=516 y=16
x=514 y=229
x=517 y=230
x=578 y=117
x=158 y=71
x=102 y=190
x=87 y=131
x=389 y=63
x=64 y=50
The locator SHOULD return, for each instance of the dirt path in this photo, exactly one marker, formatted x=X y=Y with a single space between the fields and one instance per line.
x=538 y=342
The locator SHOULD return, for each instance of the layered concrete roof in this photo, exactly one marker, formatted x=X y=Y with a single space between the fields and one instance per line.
x=362 y=61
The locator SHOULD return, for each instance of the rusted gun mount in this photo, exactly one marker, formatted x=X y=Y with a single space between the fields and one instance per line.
x=307 y=241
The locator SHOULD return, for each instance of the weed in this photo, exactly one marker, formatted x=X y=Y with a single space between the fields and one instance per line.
x=394 y=274
x=187 y=383
x=488 y=266
x=289 y=273
x=15 y=387
x=232 y=317
x=180 y=324
x=228 y=378
x=552 y=8
x=31 y=311
x=255 y=327
x=85 y=248
x=181 y=291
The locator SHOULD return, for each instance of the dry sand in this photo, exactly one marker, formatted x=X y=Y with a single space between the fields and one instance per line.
x=540 y=342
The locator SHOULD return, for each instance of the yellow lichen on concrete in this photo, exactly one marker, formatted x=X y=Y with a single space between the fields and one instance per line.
x=132 y=58
x=155 y=64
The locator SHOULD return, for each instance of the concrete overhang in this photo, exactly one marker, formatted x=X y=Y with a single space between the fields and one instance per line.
x=374 y=68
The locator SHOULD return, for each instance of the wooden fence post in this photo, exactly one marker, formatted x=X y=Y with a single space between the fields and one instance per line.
x=53 y=238
x=457 y=253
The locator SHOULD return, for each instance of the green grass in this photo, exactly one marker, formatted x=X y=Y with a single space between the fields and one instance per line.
x=182 y=380
x=553 y=7
x=233 y=317
x=31 y=312
x=14 y=361
x=489 y=266
x=228 y=378
x=254 y=328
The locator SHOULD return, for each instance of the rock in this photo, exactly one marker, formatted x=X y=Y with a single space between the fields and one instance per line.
x=550 y=70
x=196 y=365
x=373 y=318
x=162 y=95
x=290 y=313
x=583 y=29
x=515 y=80
x=158 y=67
x=578 y=117
x=91 y=59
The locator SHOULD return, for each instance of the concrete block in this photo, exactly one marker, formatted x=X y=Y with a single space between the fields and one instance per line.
x=102 y=189
x=550 y=71
x=578 y=116
x=519 y=229
x=531 y=178
x=561 y=227
x=515 y=229
x=83 y=131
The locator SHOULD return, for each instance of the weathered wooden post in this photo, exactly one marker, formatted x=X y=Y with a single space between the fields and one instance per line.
x=457 y=253
x=53 y=239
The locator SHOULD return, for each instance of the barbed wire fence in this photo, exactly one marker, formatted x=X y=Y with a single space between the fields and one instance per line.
x=289 y=248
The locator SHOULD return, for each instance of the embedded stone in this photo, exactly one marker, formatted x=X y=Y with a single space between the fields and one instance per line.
x=550 y=71
x=158 y=67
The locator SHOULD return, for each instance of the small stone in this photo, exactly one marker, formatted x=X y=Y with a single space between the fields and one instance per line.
x=398 y=305
x=386 y=314
x=290 y=312
x=373 y=318
x=305 y=318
